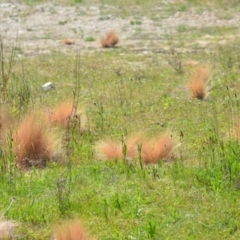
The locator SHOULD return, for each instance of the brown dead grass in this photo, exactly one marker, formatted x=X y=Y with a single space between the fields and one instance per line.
x=198 y=84
x=158 y=149
x=110 y=40
x=33 y=141
x=71 y=231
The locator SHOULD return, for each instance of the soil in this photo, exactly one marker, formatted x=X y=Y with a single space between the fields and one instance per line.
x=42 y=28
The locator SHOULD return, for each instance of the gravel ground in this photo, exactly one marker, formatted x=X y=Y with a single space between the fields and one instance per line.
x=41 y=28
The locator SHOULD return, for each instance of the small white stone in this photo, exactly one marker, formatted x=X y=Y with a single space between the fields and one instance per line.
x=48 y=86
x=5 y=5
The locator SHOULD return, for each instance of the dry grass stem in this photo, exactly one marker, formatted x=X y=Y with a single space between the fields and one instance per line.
x=6 y=123
x=235 y=131
x=191 y=63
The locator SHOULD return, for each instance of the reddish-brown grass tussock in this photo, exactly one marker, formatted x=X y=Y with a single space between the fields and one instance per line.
x=198 y=84
x=68 y=41
x=109 y=149
x=158 y=149
x=64 y=113
x=110 y=40
x=71 y=231
x=34 y=144
x=203 y=73
x=113 y=150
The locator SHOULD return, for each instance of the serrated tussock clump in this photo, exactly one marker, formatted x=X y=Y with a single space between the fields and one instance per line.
x=68 y=41
x=110 y=40
x=33 y=142
x=109 y=149
x=151 y=150
x=198 y=84
x=64 y=113
x=73 y=230
x=157 y=149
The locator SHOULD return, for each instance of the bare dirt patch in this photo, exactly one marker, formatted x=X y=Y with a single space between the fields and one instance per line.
x=41 y=28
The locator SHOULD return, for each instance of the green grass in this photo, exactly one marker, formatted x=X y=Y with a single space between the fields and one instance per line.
x=180 y=200
x=123 y=92
x=116 y=201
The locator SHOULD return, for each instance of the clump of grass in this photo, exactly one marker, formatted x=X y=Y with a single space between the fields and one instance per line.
x=157 y=149
x=135 y=22
x=90 y=39
x=68 y=41
x=34 y=144
x=109 y=149
x=198 y=84
x=152 y=151
x=64 y=113
x=71 y=231
x=110 y=40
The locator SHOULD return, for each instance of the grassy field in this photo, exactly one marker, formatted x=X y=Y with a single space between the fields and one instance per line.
x=125 y=91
